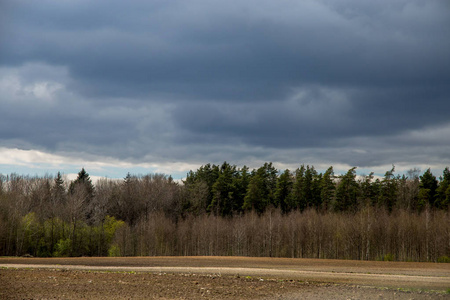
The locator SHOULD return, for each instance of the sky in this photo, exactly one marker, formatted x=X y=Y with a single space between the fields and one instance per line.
x=157 y=86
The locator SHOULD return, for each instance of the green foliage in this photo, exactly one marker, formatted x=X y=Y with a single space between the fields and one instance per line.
x=255 y=198
x=443 y=191
x=63 y=248
x=52 y=229
x=58 y=191
x=241 y=184
x=283 y=190
x=84 y=239
x=30 y=232
x=347 y=192
x=423 y=198
x=429 y=183
x=443 y=259
x=388 y=194
x=327 y=188
x=224 y=191
x=312 y=187
x=386 y=257
x=110 y=226
x=389 y=257
x=197 y=194
x=261 y=189
x=114 y=251
x=298 y=197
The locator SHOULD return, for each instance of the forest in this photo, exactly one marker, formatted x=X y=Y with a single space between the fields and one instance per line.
x=226 y=210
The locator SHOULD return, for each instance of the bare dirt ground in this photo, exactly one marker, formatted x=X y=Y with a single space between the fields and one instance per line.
x=219 y=278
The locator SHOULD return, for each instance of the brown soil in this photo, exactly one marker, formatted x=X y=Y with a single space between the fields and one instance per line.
x=219 y=278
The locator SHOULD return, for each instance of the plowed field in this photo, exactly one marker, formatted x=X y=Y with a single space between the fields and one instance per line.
x=219 y=278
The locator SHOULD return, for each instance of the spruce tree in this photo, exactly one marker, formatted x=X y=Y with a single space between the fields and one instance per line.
x=297 y=197
x=84 y=187
x=443 y=190
x=261 y=189
x=427 y=188
x=283 y=190
x=389 y=186
x=327 y=188
x=223 y=191
x=347 y=192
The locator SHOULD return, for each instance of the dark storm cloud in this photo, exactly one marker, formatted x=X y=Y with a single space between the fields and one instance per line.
x=213 y=46
x=183 y=79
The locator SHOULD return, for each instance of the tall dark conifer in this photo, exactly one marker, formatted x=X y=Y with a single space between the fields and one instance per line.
x=388 y=195
x=83 y=186
x=283 y=190
x=427 y=188
x=443 y=191
x=297 y=196
x=327 y=188
x=347 y=192
x=223 y=191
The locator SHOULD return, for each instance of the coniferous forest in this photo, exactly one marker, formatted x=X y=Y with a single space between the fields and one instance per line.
x=226 y=210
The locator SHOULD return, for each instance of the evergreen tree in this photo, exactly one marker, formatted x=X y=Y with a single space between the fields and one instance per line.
x=223 y=191
x=308 y=186
x=298 y=197
x=84 y=180
x=427 y=188
x=316 y=178
x=388 y=194
x=368 y=192
x=327 y=188
x=443 y=190
x=283 y=190
x=83 y=187
x=347 y=192
x=402 y=192
x=261 y=189
x=58 y=190
x=241 y=182
x=255 y=198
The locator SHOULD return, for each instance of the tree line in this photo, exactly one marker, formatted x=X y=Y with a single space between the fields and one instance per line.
x=225 y=190
x=226 y=210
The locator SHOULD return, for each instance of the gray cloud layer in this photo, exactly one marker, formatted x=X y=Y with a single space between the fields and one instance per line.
x=351 y=82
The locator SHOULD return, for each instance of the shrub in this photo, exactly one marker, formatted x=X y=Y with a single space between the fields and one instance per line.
x=114 y=251
x=63 y=247
x=443 y=259
x=386 y=257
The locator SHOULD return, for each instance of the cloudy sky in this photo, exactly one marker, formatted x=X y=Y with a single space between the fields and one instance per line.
x=167 y=86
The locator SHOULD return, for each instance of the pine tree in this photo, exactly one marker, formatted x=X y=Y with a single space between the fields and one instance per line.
x=347 y=192
x=283 y=190
x=298 y=198
x=223 y=191
x=261 y=189
x=241 y=182
x=327 y=188
x=389 y=188
x=58 y=190
x=427 y=188
x=83 y=187
x=443 y=191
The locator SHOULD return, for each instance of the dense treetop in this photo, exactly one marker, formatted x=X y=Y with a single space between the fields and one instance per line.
x=226 y=189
